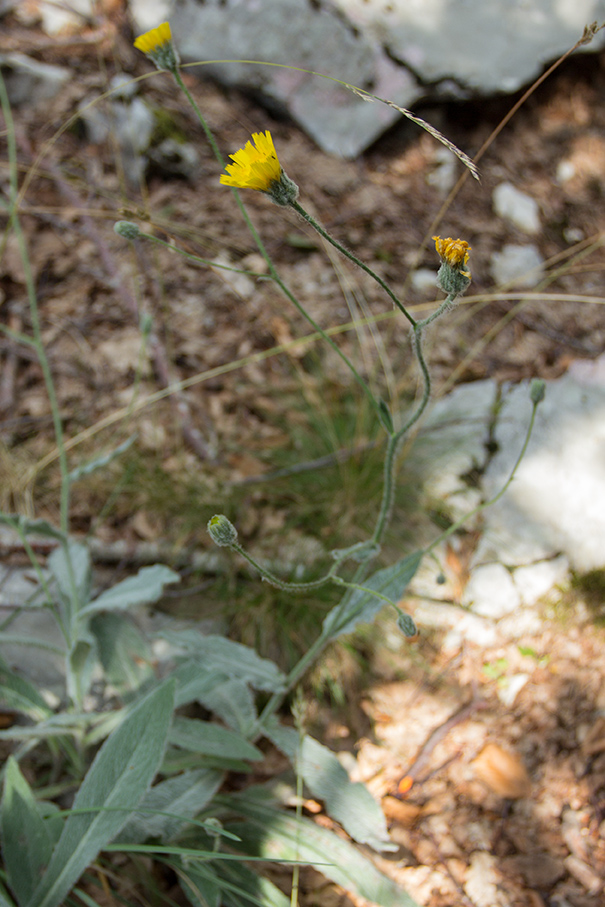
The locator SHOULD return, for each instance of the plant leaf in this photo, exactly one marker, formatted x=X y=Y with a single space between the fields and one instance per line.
x=120 y=774
x=272 y=834
x=230 y=658
x=233 y=703
x=361 y=607
x=26 y=843
x=242 y=886
x=350 y=803
x=211 y=740
x=18 y=693
x=143 y=589
x=200 y=885
x=183 y=796
x=124 y=653
x=70 y=566
x=5 y=901
x=85 y=469
x=25 y=526
x=194 y=681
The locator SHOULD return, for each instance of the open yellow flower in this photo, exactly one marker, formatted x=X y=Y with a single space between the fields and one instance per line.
x=157 y=45
x=255 y=166
x=454 y=252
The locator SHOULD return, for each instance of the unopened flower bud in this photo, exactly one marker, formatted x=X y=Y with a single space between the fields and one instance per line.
x=537 y=391
x=222 y=531
x=407 y=625
x=126 y=229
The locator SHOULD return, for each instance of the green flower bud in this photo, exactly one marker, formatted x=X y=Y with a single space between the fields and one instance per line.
x=127 y=229
x=222 y=531
x=537 y=391
x=407 y=625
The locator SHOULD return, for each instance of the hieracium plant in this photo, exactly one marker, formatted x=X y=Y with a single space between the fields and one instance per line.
x=156 y=784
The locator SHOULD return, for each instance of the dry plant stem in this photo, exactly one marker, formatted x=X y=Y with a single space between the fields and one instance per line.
x=360 y=264
x=70 y=632
x=261 y=248
x=492 y=137
x=15 y=224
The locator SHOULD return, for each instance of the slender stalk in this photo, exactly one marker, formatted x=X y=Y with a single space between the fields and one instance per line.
x=275 y=581
x=360 y=264
x=263 y=251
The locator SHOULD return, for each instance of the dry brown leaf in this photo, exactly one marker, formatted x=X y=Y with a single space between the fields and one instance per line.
x=502 y=771
x=397 y=811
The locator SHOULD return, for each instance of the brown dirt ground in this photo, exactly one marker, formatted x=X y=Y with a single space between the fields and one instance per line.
x=478 y=827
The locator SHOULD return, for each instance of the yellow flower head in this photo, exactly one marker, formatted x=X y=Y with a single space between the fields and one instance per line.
x=255 y=166
x=157 y=45
x=453 y=276
x=453 y=252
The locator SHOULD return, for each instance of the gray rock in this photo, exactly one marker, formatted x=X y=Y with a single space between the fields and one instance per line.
x=517 y=266
x=521 y=209
x=130 y=122
x=296 y=34
x=555 y=504
x=403 y=51
x=452 y=443
x=28 y=81
x=481 y=47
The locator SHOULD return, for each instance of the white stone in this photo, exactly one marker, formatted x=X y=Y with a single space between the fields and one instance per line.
x=470 y=628
x=534 y=581
x=518 y=266
x=556 y=502
x=508 y=692
x=490 y=591
x=59 y=17
x=517 y=207
x=424 y=280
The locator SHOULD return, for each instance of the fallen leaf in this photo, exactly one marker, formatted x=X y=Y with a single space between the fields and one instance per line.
x=502 y=771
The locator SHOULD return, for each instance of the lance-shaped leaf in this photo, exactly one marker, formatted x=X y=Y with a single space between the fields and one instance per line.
x=143 y=589
x=230 y=658
x=120 y=774
x=211 y=740
x=359 y=606
x=26 y=841
x=272 y=834
x=350 y=803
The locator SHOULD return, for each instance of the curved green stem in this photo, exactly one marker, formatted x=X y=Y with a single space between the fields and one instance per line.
x=360 y=264
x=280 y=584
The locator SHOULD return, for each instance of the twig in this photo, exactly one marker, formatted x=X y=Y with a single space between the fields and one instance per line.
x=423 y=757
